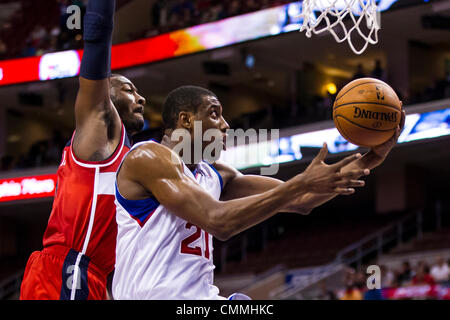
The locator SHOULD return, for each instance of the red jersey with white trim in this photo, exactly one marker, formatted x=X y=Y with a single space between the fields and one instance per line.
x=84 y=214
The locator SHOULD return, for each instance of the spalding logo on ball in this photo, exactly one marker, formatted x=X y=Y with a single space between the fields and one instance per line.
x=367 y=112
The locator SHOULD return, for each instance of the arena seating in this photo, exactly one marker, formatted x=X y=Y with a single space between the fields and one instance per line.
x=312 y=246
x=22 y=23
x=436 y=240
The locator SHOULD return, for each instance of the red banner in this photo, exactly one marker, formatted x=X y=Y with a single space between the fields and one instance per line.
x=28 y=187
x=418 y=292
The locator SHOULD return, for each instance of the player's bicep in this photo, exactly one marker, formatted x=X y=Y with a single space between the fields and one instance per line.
x=162 y=175
x=187 y=200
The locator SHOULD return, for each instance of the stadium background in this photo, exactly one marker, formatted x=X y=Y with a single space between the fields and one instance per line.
x=281 y=79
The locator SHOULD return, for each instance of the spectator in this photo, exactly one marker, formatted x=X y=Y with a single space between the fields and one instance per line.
x=325 y=292
x=63 y=15
x=387 y=277
x=440 y=271
x=3 y=49
x=156 y=13
x=29 y=50
x=217 y=12
x=423 y=276
x=265 y=4
x=378 y=71
x=352 y=293
x=38 y=36
x=405 y=274
x=234 y=8
x=250 y=6
x=359 y=72
x=54 y=148
x=359 y=280
x=7 y=163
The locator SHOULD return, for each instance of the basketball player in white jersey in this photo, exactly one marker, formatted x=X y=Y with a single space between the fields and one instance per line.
x=168 y=211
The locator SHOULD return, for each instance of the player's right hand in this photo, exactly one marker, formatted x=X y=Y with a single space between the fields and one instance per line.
x=322 y=178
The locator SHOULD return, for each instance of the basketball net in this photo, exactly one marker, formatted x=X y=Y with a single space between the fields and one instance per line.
x=345 y=17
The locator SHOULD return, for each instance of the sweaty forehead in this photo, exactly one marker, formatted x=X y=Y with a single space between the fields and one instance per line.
x=121 y=80
x=210 y=101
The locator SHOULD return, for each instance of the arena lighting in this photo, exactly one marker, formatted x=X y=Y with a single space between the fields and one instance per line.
x=286 y=149
x=59 y=65
x=331 y=88
x=65 y=64
x=27 y=187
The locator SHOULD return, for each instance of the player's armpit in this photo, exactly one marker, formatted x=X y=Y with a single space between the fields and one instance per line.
x=93 y=97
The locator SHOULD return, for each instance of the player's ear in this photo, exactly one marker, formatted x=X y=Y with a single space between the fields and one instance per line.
x=185 y=119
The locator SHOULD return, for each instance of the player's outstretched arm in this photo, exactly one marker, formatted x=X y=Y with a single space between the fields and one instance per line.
x=160 y=173
x=97 y=122
x=239 y=185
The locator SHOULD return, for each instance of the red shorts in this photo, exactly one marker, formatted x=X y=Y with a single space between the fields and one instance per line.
x=60 y=273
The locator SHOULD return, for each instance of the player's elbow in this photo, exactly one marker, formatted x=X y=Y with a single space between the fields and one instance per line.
x=305 y=211
x=221 y=232
x=219 y=226
x=223 y=235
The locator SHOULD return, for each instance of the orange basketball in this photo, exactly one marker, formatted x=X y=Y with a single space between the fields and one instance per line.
x=366 y=112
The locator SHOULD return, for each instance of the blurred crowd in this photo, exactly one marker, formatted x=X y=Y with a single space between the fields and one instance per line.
x=41 y=153
x=404 y=276
x=46 y=36
x=45 y=39
x=165 y=16
x=170 y=15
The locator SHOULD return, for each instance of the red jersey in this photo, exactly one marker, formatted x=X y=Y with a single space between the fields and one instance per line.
x=83 y=216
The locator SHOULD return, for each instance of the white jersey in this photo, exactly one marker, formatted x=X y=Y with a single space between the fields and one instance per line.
x=161 y=256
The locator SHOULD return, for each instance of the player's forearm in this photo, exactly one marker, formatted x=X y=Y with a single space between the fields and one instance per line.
x=97 y=35
x=234 y=216
x=249 y=185
x=312 y=200
x=308 y=202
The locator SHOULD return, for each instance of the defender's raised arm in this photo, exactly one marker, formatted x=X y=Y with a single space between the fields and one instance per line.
x=98 y=126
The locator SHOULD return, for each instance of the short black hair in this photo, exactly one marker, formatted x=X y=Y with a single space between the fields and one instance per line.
x=185 y=98
x=115 y=75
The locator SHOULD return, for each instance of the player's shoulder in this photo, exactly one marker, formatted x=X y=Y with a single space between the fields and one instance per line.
x=153 y=154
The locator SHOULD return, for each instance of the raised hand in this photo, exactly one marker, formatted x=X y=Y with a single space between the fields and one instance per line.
x=380 y=152
x=321 y=178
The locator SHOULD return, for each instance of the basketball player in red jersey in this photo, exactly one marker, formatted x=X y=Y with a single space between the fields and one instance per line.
x=80 y=239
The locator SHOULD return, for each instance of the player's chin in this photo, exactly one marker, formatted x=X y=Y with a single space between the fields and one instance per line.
x=140 y=122
x=136 y=124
